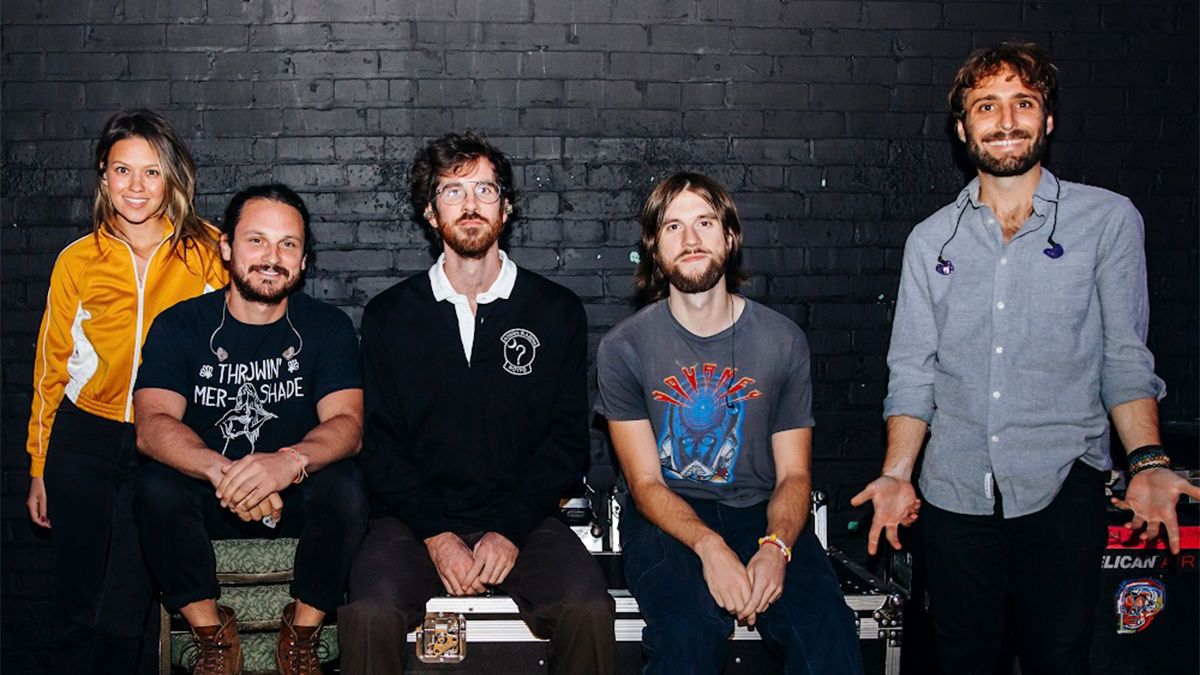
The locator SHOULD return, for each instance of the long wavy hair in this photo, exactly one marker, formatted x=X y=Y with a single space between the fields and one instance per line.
x=179 y=176
x=649 y=281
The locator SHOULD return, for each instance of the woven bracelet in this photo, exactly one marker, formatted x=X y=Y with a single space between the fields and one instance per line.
x=1148 y=457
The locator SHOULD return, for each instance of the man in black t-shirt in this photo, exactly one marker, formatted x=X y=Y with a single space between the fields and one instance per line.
x=250 y=402
x=709 y=403
x=474 y=377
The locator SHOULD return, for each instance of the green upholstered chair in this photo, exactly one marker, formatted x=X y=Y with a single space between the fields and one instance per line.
x=254 y=575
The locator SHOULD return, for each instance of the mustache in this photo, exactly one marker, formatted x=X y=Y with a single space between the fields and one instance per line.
x=271 y=268
x=1016 y=134
x=692 y=251
x=470 y=215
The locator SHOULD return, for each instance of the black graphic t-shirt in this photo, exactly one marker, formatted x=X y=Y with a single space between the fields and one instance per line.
x=250 y=388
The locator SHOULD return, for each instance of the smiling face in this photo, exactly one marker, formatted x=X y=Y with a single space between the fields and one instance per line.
x=692 y=244
x=1006 y=125
x=266 y=252
x=471 y=227
x=132 y=178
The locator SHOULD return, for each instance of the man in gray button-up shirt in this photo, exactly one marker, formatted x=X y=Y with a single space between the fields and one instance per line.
x=1020 y=327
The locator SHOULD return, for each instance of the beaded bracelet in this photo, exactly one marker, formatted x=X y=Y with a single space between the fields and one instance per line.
x=1148 y=457
x=299 y=460
x=775 y=540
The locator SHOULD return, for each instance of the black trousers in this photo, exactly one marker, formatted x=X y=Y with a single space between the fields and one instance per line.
x=1040 y=571
x=559 y=590
x=102 y=591
x=179 y=516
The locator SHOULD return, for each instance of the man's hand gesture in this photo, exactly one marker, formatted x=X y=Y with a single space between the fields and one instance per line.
x=895 y=504
x=271 y=506
x=766 y=571
x=494 y=556
x=454 y=562
x=1151 y=496
x=249 y=480
x=727 y=580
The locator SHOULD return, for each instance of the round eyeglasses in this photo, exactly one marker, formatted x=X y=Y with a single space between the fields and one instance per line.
x=455 y=193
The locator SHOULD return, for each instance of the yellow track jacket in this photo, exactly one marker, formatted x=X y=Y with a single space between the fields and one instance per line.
x=97 y=315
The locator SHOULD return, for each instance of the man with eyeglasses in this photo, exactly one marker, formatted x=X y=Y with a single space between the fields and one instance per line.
x=476 y=424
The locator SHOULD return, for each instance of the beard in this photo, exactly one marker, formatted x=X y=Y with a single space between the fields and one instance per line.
x=260 y=294
x=472 y=244
x=698 y=282
x=1013 y=165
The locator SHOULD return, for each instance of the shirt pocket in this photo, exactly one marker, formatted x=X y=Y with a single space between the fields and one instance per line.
x=1066 y=291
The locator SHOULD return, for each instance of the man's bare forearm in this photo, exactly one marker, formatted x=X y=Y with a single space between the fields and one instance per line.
x=1137 y=423
x=334 y=439
x=671 y=514
x=787 y=512
x=905 y=436
x=163 y=438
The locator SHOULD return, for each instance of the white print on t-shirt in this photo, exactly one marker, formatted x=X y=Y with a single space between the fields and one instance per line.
x=258 y=385
x=245 y=419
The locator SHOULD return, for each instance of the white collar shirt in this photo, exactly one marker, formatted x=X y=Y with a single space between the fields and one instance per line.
x=500 y=289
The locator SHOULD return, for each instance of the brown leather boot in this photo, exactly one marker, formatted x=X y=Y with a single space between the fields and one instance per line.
x=220 y=651
x=296 y=653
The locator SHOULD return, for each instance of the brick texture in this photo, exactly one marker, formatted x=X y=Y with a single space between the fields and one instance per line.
x=825 y=118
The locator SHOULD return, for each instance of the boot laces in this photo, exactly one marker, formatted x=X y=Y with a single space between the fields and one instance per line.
x=304 y=653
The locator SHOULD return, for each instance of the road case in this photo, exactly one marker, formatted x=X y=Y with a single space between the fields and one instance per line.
x=491 y=638
x=486 y=634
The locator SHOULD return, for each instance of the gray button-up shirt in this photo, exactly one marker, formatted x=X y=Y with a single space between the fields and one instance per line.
x=1015 y=357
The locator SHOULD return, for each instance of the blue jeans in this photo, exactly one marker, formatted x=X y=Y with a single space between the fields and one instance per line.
x=810 y=626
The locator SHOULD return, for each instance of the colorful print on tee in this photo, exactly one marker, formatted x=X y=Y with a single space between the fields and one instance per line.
x=701 y=434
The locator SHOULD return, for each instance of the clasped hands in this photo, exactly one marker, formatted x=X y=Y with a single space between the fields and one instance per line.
x=250 y=486
x=745 y=591
x=471 y=570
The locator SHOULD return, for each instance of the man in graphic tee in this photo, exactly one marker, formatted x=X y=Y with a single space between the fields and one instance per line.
x=477 y=423
x=250 y=401
x=708 y=401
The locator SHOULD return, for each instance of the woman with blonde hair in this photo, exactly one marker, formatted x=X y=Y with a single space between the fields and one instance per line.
x=148 y=249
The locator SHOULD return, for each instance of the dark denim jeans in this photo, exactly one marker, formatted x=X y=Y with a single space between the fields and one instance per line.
x=810 y=626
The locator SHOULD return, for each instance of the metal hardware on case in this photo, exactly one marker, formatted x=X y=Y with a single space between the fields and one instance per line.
x=890 y=617
x=442 y=638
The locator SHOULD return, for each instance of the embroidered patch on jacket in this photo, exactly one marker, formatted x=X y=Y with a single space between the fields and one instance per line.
x=520 y=348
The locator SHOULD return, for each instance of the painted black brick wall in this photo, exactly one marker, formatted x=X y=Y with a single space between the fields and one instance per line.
x=826 y=118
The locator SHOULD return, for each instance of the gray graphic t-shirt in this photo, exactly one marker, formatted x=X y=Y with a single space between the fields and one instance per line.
x=713 y=402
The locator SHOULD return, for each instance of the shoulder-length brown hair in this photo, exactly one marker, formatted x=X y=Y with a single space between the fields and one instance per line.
x=649 y=280
x=178 y=171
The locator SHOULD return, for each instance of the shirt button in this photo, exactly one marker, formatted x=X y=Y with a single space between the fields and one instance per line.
x=1004 y=261
x=1000 y=305
x=991 y=221
x=999 y=350
x=995 y=439
x=995 y=394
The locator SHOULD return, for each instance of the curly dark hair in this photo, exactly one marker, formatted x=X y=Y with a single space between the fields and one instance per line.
x=449 y=154
x=1031 y=63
